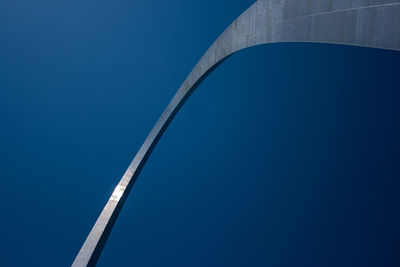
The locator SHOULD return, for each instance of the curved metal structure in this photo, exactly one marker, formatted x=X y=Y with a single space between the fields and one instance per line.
x=369 y=23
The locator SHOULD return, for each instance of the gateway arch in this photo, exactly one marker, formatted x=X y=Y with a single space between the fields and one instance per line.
x=368 y=23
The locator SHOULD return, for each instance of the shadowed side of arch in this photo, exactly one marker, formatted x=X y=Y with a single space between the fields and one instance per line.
x=369 y=23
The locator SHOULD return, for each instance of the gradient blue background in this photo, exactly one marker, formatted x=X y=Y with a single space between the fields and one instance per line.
x=287 y=155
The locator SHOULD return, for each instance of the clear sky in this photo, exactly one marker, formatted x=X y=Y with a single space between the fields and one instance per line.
x=287 y=155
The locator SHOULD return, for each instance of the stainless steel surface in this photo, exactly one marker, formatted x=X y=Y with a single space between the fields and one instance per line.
x=370 y=23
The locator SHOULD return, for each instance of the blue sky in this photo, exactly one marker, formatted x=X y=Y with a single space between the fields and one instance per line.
x=287 y=155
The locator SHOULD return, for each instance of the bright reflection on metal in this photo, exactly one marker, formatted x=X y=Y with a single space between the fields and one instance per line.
x=118 y=192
